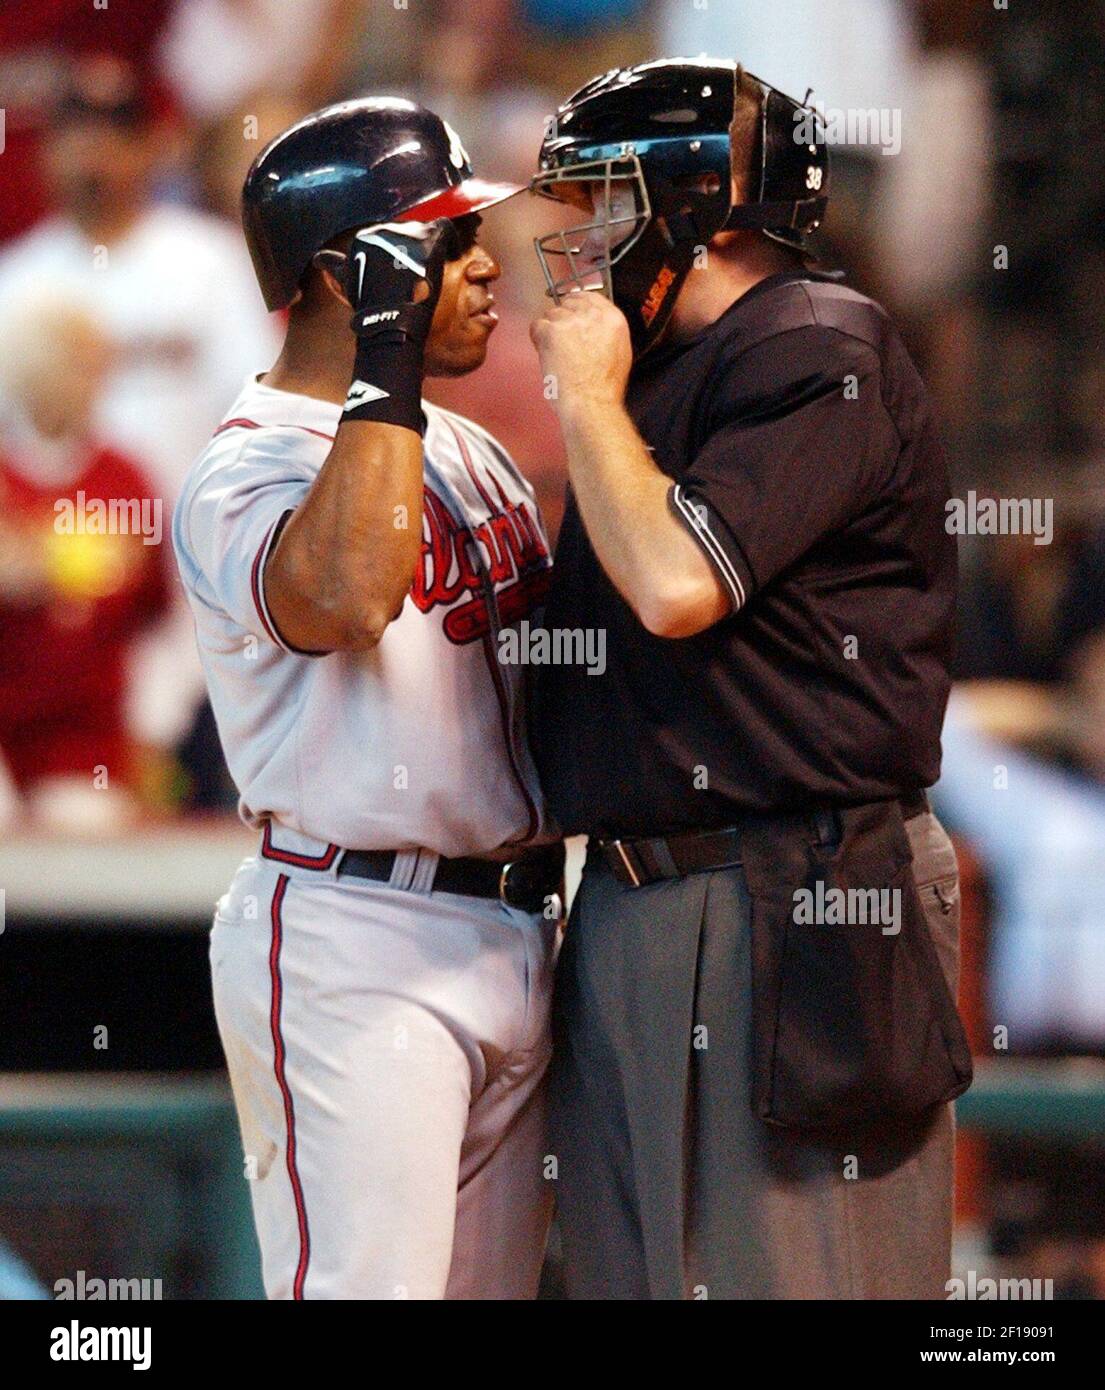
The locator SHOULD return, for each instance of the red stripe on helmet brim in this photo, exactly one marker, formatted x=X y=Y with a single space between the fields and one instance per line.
x=473 y=195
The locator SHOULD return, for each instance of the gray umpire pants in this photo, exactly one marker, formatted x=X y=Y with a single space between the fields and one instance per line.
x=668 y=1186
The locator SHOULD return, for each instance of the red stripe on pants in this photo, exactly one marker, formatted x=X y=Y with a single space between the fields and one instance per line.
x=282 y=1082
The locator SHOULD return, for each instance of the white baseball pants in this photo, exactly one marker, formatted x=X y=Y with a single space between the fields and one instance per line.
x=387 y=1050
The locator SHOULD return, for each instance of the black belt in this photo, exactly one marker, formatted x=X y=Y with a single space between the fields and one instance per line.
x=648 y=860
x=526 y=882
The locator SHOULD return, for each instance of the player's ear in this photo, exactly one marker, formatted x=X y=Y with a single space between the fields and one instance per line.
x=331 y=267
x=331 y=273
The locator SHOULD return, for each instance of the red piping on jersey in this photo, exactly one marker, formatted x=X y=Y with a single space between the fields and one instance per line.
x=492 y=665
x=512 y=513
x=504 y=719
x=499 y=489
x=466 y=458
x=255 y=586
x=278 y=1061
x=287 y=856
x=240 y=422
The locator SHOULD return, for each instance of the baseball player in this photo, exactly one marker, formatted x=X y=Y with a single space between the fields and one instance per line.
x=755 y=1029
x=382 y=964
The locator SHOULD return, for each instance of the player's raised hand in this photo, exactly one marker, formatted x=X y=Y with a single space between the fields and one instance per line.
x=584 y=346
x=391 y=276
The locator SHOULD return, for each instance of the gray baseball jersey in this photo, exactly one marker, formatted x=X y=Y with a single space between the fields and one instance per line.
x=418 y=742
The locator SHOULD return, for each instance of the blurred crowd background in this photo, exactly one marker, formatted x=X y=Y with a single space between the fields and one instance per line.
x=129 y=319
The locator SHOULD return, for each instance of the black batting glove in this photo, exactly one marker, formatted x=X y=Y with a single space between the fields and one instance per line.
x=381 y=276
x=385 y=268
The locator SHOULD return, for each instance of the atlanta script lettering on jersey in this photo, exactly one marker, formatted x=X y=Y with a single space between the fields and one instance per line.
x=517 y=565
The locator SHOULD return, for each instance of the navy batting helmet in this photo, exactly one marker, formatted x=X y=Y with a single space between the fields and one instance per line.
x=658 y=138
x=376 y=159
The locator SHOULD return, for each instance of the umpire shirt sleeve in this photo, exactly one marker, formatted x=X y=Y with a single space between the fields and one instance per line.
x=800 y=444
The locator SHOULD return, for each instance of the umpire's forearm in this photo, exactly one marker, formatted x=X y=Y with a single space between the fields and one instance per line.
x=346 y=559
x=623 y=500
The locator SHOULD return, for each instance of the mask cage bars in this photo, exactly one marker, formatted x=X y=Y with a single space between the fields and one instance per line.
x=623 y=167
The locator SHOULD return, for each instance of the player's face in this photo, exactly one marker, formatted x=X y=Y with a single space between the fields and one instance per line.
x=464 y=317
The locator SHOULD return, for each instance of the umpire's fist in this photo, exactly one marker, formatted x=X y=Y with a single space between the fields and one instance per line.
x=584 y=346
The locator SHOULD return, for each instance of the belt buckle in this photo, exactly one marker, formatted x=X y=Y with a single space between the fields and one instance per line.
x=503 y=884
x=634 y=876
x=527 y=895
x=522 y=900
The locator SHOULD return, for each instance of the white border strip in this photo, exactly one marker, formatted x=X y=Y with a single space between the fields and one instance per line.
x=710 y=544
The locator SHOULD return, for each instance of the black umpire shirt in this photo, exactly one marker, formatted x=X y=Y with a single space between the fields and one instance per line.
x=806 y=464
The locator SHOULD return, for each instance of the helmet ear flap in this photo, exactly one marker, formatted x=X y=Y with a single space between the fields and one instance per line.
x=790 y=162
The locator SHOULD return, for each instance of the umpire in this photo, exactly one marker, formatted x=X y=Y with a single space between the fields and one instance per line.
x=756 y=1031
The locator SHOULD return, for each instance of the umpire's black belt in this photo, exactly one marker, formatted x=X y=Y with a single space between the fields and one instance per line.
x=650 y=859
x=525 y=882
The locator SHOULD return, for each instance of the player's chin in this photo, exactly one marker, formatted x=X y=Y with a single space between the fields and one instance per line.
x=463 y=352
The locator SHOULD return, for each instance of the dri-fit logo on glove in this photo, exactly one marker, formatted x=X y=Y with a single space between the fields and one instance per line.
x=516 y=558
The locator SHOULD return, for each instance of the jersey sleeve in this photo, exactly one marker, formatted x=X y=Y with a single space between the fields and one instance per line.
x=225 y=529
x=800 y=444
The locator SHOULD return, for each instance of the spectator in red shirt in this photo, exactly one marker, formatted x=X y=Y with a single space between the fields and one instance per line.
x=81 y=573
